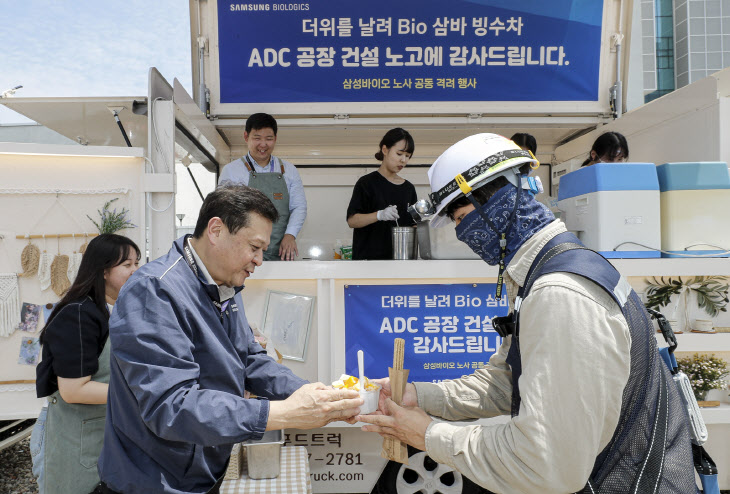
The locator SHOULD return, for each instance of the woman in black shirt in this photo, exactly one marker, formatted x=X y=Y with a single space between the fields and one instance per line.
x=74 y=371
x=381 y=198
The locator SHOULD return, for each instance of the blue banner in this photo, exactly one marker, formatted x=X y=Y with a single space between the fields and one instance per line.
x=447 y=328
x=421 y=50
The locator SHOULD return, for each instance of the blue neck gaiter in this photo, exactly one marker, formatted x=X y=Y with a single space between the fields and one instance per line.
x=530 y=217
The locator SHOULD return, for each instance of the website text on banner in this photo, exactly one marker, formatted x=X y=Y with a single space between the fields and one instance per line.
x=447 y=328
x=421 y=50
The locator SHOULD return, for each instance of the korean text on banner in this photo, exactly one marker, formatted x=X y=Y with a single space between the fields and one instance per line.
x=410 y=50
x=447 y=328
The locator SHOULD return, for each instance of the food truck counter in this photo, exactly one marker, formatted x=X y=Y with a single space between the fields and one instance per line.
x=459 y=269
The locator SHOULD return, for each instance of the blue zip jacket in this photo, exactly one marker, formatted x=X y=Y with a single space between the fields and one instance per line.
x=179 y=368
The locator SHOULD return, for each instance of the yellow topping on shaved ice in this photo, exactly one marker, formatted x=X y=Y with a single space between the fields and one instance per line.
x=352 y=382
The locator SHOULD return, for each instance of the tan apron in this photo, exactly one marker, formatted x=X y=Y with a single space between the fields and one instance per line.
x=74 y=437
x=274 y=186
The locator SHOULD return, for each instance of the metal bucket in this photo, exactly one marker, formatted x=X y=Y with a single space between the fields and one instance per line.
x=263 y=457
x=405 y=245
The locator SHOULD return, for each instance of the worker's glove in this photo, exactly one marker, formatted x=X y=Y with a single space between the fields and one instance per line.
x=388 y=214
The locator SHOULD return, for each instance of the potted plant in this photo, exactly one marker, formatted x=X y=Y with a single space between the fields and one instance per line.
x=705 y=372
x=710 y=292
x=112 y=221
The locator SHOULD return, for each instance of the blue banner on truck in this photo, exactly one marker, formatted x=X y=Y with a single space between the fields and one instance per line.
x=447 y=328
x=409 y=50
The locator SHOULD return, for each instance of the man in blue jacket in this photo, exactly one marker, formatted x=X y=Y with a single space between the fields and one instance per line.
x=183 y=355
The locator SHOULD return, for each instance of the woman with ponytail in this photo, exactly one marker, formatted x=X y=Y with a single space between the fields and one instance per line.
x=380 y=199
x=74 y=371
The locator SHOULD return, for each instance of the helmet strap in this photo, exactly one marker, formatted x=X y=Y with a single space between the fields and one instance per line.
x=478 y=207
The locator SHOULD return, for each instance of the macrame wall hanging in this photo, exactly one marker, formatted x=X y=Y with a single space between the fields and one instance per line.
x=9 y=304
x=59 y=270
x=29 y=260
x=83 y=247
x=44 y=268
x=74 y=261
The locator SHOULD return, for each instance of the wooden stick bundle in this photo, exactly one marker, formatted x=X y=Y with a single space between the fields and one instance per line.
x=393 y=449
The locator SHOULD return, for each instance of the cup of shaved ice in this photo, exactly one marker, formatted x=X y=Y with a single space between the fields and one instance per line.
x=369 y=391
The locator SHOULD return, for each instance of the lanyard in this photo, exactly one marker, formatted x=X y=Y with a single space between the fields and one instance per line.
x=193 y=265
x=502 y=235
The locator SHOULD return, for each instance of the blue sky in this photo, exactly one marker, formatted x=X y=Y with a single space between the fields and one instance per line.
x=65 y=48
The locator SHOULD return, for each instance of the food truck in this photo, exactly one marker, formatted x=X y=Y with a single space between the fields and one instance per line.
x=337 y=76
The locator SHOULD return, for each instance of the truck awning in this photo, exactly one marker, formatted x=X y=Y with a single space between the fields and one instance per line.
x=90 y=121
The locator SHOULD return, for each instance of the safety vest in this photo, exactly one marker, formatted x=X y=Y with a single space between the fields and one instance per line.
x=650 y=451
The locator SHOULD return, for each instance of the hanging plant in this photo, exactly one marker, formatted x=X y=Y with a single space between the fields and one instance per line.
x=112 y=221
x=711 y=291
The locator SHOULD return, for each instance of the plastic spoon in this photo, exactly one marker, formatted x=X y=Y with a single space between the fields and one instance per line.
x=361 y=368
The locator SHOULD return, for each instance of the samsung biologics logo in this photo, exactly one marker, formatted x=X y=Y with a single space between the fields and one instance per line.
x=250 y=7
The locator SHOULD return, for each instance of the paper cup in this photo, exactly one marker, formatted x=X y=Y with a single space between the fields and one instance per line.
x=371 y=401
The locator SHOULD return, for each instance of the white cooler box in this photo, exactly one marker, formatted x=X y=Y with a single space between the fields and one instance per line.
x=612 y=207
x=695 y=200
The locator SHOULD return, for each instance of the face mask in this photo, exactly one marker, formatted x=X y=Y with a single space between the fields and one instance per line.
x=529 y=218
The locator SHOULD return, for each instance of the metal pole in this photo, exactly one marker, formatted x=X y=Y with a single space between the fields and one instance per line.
x=201 y=82
x=196 y=183
x=619 y=84
x=121 y=127
x=203 y=98
x=619 y=40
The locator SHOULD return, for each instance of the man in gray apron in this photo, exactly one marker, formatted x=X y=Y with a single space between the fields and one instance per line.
x=276 y=178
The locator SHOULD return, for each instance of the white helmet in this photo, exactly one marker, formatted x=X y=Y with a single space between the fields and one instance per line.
x=471 y=163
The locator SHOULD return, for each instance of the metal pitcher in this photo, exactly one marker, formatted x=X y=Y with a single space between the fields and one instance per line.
x=405 y=245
